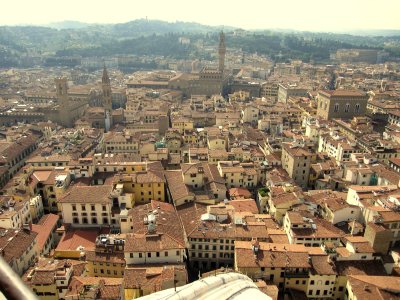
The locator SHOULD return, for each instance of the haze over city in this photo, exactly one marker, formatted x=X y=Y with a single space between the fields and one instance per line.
x=311 y=15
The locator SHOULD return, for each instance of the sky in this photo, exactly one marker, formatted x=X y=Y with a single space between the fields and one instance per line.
x=312 y=15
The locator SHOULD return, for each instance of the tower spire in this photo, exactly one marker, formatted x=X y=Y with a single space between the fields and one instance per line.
x=105 y=79
x=221 y=51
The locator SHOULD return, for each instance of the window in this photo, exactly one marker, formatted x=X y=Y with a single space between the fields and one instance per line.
x=92 y=207
x=73 y=207
x=149 y=254
x=177 y=252
x=166 y=253
x=317 y=292
x=140 y=255
x=347 y=107
x=158 y=254
x=327 y=282
x=325 y=292
x=104 y=208
x=311 y=282
x=336 y=107
x=131 y=255
x=83 y=207
x=357 y=108
x=340 y=288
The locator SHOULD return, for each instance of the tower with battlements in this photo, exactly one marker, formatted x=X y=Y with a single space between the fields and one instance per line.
x=221 y=52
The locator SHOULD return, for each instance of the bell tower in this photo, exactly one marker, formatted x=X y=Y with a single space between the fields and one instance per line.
x=221 y=52
x=63 y=101
x=106 y=87
x=62 y=90
x=107 y=99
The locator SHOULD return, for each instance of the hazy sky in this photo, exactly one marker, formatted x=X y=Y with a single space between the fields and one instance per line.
x=316 y=15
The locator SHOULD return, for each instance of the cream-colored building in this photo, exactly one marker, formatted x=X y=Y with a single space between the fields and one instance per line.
x=296 y=160
x=250 y=114
x=19 y=248
x=153 y=247
x=238 y=174
x=14 y=213
x=304 y=229
x=119 y=142
x=212 y=244
x=87 y=206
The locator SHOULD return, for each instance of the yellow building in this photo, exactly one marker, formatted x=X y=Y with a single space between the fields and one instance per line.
x=49 y=279
x=139 y=187
x=182 y=124
x=107 y=259
x=271 y=261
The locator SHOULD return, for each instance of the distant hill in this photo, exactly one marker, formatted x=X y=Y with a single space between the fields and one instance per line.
x=373 y=32
x=154 y=37
x=67 y=24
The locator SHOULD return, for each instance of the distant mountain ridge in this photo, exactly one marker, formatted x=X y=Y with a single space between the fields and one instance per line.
x=161 y=38
x=151 y=26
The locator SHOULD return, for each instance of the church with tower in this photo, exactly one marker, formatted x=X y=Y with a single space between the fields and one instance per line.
x=102 y=116
x=209 y=81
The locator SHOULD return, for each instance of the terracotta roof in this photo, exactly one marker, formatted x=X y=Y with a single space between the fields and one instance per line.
x=166 y=220
x=110 y=257
x=87 y=194
x=151 y=243
x=271 y=255
x=44 y=228
x=108 y=288
x=357 y=267
x=15 y=242
x=153 y=278
x=343 y=93
x=244 y=205
x=72 y=239
x=321 y=265
x=176 y=186
x=375 y=287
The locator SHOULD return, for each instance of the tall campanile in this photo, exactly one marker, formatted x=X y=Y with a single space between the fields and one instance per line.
x=107 y=99
x=221 y=52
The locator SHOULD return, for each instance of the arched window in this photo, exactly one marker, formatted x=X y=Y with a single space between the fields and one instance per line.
x=357 y=108
x=336 y=107
x=347 y=107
